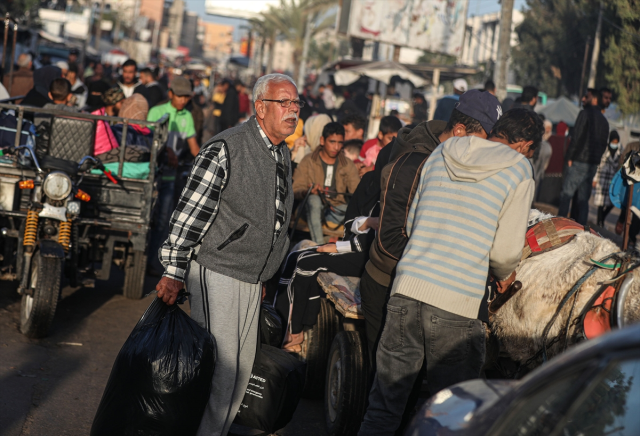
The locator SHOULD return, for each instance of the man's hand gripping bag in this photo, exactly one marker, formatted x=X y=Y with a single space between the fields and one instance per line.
x=161 y=379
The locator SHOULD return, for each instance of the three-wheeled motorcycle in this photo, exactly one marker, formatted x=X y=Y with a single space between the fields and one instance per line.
x=62 y=211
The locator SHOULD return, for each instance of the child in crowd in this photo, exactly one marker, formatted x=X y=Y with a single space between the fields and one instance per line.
x=352 y=148
x=389 y=128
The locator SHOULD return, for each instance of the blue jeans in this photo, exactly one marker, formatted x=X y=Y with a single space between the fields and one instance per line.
x=452 y=346
x=578 y=179
x=163 y=211
x=334 y=214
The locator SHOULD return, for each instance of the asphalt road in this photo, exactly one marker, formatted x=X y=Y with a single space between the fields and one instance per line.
x=52 y=386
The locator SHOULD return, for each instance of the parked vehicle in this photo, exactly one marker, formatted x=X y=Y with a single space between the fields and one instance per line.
x=593 y=389
x=58 y=216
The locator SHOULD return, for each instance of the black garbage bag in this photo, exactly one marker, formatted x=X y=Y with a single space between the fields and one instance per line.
x=161 y=379
x=270 y=326
x=274 y=390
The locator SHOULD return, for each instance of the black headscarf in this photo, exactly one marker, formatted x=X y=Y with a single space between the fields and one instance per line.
x=42 y=78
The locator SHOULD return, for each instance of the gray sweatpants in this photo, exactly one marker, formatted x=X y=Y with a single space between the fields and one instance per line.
x=230 y=309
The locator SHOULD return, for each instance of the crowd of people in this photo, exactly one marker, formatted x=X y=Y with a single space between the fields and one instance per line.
x=432 y=211
x=404 y=198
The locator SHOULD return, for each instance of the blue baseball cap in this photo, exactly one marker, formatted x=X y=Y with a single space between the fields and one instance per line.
x=481 y=106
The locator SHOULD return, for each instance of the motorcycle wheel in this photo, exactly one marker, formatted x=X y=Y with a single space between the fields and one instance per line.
x=317 y=343
x=134 y=272
x=37 y=310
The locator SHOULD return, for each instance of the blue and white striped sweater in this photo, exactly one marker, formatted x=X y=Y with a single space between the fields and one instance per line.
x=452 y=227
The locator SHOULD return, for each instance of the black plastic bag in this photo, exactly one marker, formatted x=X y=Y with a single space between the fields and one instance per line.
x=274 y=390
x=161 y=379
x=270 y=326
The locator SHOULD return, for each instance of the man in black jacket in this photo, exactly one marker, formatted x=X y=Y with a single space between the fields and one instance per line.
x=154 y=92
x=590 y=139
x=475 y=115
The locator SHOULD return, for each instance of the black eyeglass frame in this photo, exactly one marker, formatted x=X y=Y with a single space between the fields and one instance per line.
x=299 y=103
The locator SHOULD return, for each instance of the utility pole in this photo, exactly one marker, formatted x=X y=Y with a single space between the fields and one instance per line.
x=302 y=71
x=504 y=48
x=96 y=43
x=584 y=67
x=596 y=51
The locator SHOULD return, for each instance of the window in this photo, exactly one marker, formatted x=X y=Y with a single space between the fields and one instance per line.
x=610 y=406
x=537 y=413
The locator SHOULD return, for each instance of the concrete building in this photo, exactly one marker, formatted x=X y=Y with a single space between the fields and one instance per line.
x=482 y=35
x=218 y=40
x=189 y=34
x=282 y=56
x=175 y=21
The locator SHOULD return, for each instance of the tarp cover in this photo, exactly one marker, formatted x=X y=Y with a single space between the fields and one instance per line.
x=382 y=71
x=562 y=109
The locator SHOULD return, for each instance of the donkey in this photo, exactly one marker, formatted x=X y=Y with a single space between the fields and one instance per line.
x=546 y=279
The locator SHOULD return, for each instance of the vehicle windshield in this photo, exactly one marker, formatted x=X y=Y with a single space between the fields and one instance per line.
x=611 y=406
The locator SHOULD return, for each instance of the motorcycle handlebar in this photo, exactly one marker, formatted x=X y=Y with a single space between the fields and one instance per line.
x=97 y=163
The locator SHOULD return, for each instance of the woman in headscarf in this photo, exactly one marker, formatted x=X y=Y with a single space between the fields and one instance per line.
x=609 y=165
x=313 y=130
x=42 y=78
x=135 y=107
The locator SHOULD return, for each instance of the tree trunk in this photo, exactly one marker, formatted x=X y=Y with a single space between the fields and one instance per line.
x=296 y=56
x=263 y=43
x=272 y=44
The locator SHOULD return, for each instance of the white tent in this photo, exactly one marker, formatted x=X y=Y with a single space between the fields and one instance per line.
x=382 y=71
x=562 y=109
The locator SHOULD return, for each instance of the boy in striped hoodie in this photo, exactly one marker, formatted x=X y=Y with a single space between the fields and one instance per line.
x=468 y=219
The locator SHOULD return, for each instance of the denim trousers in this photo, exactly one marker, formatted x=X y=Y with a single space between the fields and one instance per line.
x=578 y=180
x=314 y=207
x=163 y=210
x=414 y=332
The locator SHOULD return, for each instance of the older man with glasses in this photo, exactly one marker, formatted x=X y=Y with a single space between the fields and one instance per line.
x=228 y=235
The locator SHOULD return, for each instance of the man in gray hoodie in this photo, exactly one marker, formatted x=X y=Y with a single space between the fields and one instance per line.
x=468 y=219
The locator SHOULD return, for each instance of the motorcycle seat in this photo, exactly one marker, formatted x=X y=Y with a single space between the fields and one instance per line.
x=57 y=164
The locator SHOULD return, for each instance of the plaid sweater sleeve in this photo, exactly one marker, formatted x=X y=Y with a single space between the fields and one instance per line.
x=196 y=209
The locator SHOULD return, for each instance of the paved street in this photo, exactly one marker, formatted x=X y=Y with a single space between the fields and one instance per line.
x=53 y=386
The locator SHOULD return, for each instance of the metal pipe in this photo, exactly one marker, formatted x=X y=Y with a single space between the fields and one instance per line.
x=16 y=143
x=123 y=144
x=4 y=42
x=13 y=55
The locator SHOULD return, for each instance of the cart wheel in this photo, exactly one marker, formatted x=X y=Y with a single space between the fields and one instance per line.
x=134 y=271
x=317 y=343
x=347 y=385
x=39 y=302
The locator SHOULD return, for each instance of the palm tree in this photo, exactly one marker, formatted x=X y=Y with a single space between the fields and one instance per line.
x=290 y=22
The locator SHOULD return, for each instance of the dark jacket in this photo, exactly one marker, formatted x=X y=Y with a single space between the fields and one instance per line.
x=590 y=137
x=445 y=107
x=154 y=94
x=399 y=181
x=230 y=109
x=239 y=243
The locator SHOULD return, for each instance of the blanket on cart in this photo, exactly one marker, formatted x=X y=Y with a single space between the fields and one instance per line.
x=344 y=293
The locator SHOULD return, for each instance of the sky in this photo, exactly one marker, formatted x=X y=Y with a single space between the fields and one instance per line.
x=476 y=7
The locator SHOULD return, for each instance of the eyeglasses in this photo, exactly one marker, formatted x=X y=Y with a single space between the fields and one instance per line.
x=287 y=103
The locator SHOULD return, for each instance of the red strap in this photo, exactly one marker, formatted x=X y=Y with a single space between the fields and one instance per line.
x=532 y=241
